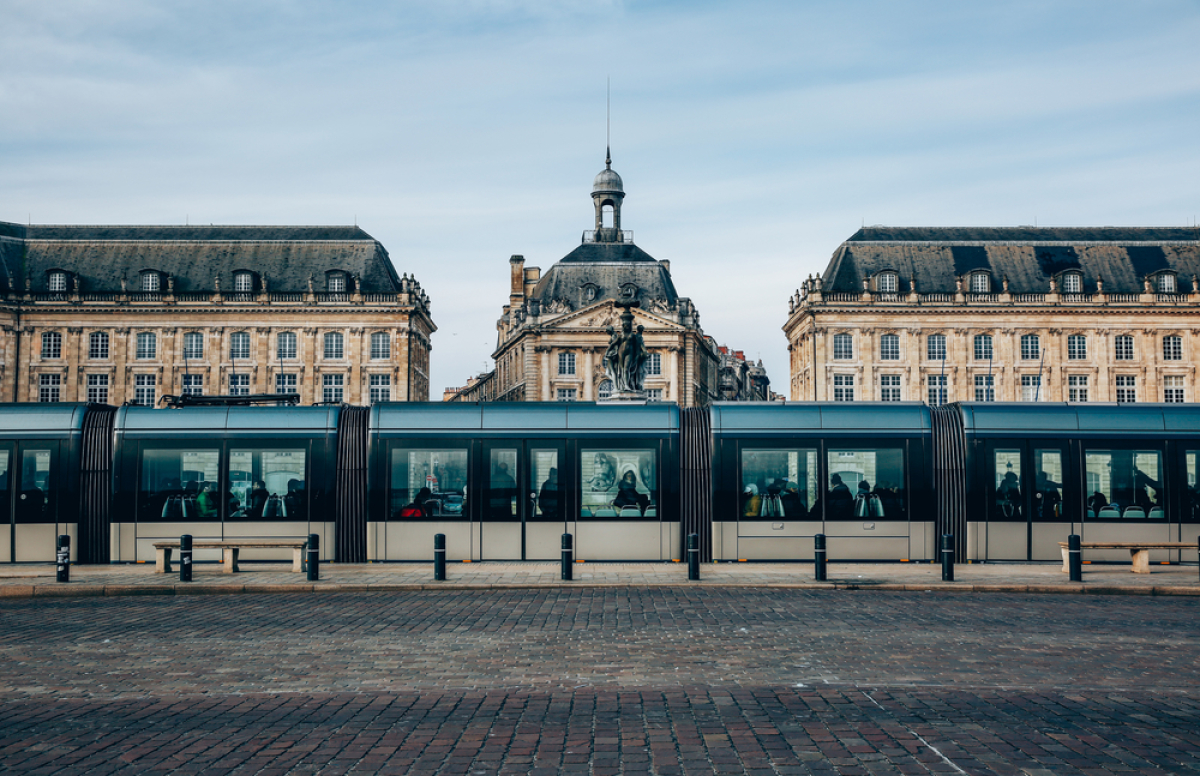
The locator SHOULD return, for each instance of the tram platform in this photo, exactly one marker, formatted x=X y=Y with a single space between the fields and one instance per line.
x=38 y=580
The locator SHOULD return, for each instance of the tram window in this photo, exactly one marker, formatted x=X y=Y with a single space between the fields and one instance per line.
x=429 y=483
x=35 y=501
x=778 y=483
x=501 y=496
x=1009 y=484
x=619 y=483
x=1125 y=484
x=1191 y=507
x=1048 y=483
x=266 y=485
x=5 y=503
x=173 y=481
x=866 y=483
x=543 y=478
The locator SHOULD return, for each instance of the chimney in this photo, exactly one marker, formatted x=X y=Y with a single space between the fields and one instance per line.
x=516 y=296
x=666 y=264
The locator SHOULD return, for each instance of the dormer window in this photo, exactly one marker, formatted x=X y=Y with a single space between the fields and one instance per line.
x=243 y=282
x=629 y=290
x=57 y=282
x=887 y=282
x=335 y=282
x=1166 y=283
x=590 y=292
x=1072 y=283
x=981 y=283
x=151 y=282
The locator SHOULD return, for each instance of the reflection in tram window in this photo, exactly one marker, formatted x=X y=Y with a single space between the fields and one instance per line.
x=263 y=485
x=428 y=483
x=1048 y=468
x=501 y=497
x=172 y=484
x=35 y=502
x=5 y=502
x=1191 y=505
x=1008 y=504
x=619 y=483
x=543 y=479
x=1125 y=484
x=866 y=483
x=778 y=483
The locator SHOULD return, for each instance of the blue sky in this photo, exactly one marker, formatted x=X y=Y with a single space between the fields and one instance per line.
x=753 y=137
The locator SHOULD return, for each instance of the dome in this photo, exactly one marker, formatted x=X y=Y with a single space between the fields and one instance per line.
x=607 y=181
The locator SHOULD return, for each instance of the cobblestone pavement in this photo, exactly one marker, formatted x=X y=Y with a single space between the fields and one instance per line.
x=601 y=680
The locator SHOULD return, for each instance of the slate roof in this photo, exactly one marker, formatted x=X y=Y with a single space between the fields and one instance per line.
x=1027 y=256
x=608 y=266
x=193 y=256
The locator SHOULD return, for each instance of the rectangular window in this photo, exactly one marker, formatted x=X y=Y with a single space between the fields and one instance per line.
x=98 y=345
x=1077 y=388
x=48 y=387
x=52 y=345
x=381 y=346
x=981 y=283
x=285 y=345
x=565 y=394
x=843 y=347
x=1076 y=347
x=654 y=365
x=566 y=363
x=1166 y=283
x=285 y=383
x=147 y=345
x=1031 y=388
x=983 y=347
x=334 y=345
x=268 y=484
x=243 y=282
x=193 y=385
x=887 y=283
x=1031 y=347
x=1173 y=389
x=1126 y=389
x=1172 y=348
x=58 y=282
x=179 y=484
x=866 y=483
x=97 y=389
x=332 y=388
x=843 y=387
x=985 y=388
x=381 y=388
x=1008 y=504
x=779 y=483
x=428 y=483
x=239 y=385
x=239 y=345
x=618 y=484
x=1125 y=485
x=151 y=282
x=937 y=389
x=193 y=345
x=337 y=283
x=1072 y=283
x=889 y=347
x=889 y=387
x=1123 y=345
x=654 y=394
x=144 y=390
x=935 y=347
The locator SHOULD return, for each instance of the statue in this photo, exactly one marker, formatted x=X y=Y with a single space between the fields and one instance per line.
x=626 y=356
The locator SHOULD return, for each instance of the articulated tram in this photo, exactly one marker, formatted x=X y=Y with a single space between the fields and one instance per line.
x=505 y=481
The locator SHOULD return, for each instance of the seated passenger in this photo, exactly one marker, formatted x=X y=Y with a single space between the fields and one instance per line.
x=793 y=505
x=256 y=500
x=841 y=503
x=751 y=501
x=418 y=507
x=206 y=502
x=627 y=494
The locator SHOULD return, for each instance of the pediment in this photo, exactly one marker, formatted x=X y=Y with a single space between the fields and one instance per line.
x=597 y=317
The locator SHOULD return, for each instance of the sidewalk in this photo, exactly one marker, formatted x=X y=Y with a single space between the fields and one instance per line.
x=38 y=580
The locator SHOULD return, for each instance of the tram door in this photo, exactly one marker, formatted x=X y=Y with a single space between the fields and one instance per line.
x=523 y=503
x=6 y=526
x=1031 y=498
x=33 y=496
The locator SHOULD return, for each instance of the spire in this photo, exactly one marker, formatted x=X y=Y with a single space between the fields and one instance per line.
x=607 y=158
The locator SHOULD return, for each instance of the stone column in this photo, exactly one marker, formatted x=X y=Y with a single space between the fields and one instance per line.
x=74 y=353
x=588 y=394
x=866 y=370
x=121 y=361
x=545 y=369
x=308 y=378
x=262 y=361
x=355 y=351
x=1104 y=390
x=675 y=374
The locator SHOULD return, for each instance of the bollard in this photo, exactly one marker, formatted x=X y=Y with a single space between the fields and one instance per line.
x=819 y=557
x=439 y=557
x=314 y=557
x=1074 y=558
x=947 y=557
x=185 y=558
x=568 y=556
x=1198 y=545
x=64 y=558
x=693 y=550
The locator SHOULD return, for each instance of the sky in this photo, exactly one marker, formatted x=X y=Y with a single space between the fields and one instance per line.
x=753 y=137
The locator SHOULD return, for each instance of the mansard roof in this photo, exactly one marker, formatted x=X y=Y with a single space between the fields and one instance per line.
x=1027 y=256
x=193 y=255
x=607 y=267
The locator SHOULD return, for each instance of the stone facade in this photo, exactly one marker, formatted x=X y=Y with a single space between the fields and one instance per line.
x=1098 y=315
x=130 y=314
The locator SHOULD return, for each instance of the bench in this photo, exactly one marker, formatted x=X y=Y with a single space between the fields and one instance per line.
x=231 y=547
x=1139 y=552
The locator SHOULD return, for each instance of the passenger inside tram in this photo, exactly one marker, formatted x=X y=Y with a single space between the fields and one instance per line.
x=1125 y=484
x=548 y=496
x=607 y=496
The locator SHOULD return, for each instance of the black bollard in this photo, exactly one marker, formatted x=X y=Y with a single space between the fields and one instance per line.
x=1074 y=558
x=64 y=558
x=1198 y=544
x=947 y=557
x=185 y=558
x=314 y=557
x=568 y=556
x=819 y=558
x=693 y=550
x=439 y=557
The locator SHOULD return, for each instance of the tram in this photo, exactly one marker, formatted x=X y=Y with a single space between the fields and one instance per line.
x=503 y=481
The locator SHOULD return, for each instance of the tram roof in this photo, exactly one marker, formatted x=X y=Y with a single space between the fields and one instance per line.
x=41 y=417
x=524 y=416
x=228 y=419
x=1017 y=418
x=861 y=416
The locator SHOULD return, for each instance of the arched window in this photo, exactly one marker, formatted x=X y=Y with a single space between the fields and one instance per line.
x=1172 y=348
x=983 y=347
x=1076 y=347
x=1031 y=347
x=1166 y=283
x=935 y=347
x=1123 y=347
x=147 y=345
x=843 y=347
x=889 y=347
x=1072 y=283
x=285 y=345
x=98 y=345
x=239 y=345
x=381 y=345
x=333 y=345
x=51 y=344
x=605 y=389
x=981 y=283
x=193 y=345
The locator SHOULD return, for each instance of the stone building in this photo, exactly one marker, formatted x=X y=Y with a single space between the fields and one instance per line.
x=552 y=337
x=742 y=379
x=1001 y=314
x=131 y=313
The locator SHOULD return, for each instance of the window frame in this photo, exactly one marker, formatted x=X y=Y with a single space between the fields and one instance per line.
x=333 y=346
x=935 y=343
x=51 y=345
x=983 y=347
x=98 y=346
x=234 y=351
x=145 y=336
x=381 y=346
x=1031 y=347
x=843 y=346
x=1075 y=353
x=1123 y=348
x=293 y=351
x=1172 y=347
x=889 y=347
